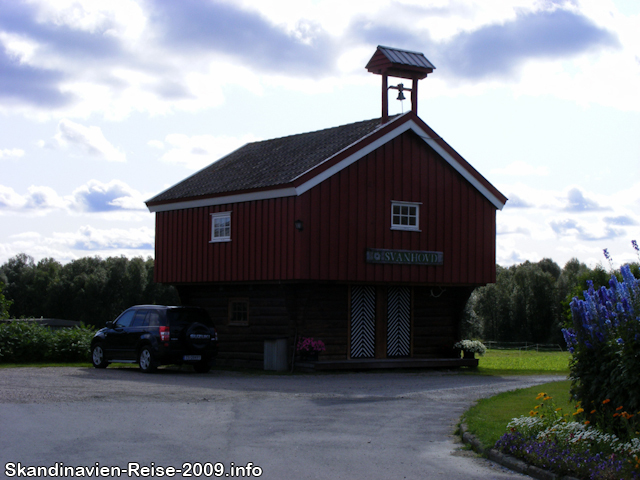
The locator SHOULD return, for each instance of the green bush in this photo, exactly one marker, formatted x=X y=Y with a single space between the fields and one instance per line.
x=70 y=344
x=605 y=344
x=26 y=342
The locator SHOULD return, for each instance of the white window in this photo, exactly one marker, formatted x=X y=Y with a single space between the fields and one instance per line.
x=221 y=227
x=405 y=216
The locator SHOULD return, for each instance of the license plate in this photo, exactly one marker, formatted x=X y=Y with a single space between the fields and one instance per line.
x=191 y=357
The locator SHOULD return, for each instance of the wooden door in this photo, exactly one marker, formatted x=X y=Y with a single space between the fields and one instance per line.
x=380 y=323
x=363 y=321
x=398 y=322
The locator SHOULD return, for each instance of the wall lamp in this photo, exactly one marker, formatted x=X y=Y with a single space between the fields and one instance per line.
x=299 y=225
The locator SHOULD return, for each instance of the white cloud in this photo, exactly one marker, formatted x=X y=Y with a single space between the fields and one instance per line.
x=121 y=18
x=123 y=56
x=9 y=199
x=88 y=238
x=85 y=241
x=87 y=140
x=521 y=169
x=573 y=222
x=41 y=199
x=38 y=200
x=198 y=151
x=156 y=144
x=95 y=197
x=11 y=153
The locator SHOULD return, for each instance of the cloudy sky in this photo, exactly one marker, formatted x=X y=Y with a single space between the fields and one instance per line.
x=105 y=104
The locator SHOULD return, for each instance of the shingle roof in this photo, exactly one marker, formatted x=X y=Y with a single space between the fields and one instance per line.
x=268 y=163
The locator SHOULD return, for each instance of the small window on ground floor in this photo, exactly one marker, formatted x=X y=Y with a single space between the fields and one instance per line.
x=238 y=311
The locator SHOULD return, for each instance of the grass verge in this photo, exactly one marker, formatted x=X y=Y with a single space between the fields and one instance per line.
x=45 y=364
x=488 y=419
x=520 y=362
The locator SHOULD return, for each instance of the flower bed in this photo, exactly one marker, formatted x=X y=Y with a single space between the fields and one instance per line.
x=600 y=438
x=567 y=444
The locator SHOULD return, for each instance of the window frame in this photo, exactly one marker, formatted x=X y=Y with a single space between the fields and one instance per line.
x=214 y=217
x=409 y=228
x=231 y=321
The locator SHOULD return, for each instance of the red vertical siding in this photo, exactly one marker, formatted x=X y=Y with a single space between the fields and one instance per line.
x=342 y=217
x=345 y=236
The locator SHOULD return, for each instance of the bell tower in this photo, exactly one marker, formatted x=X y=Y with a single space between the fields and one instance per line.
x=392 y=62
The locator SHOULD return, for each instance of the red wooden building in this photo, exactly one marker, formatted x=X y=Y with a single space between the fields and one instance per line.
x=369 y=236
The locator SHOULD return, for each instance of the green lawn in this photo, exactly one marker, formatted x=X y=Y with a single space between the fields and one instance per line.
x=488 y=419
x=523 y=362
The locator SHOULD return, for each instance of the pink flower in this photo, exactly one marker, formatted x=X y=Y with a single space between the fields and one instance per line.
x=310 y=345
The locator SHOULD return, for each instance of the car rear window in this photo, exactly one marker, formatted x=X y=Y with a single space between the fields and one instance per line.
x=180 y=317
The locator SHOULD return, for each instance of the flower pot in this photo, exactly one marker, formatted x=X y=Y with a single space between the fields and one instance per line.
x=308 y=356
x=468 y=355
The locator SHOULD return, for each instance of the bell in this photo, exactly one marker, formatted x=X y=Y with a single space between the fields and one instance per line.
x=400 y=94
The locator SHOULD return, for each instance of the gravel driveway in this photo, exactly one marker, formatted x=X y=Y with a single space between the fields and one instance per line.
x=352 y=425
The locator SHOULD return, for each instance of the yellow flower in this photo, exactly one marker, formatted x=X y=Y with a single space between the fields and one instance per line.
x=558 y=409
x=619 y=408
x=587 y=422
x=593 y=411
x=604 y=402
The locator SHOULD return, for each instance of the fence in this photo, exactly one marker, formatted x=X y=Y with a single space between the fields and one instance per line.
x=538 y=347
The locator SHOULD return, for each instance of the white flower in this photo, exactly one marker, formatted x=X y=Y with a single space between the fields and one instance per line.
x=473 y=346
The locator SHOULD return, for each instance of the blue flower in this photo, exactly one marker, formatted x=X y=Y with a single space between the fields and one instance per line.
x=620 y=341
x=629 y=280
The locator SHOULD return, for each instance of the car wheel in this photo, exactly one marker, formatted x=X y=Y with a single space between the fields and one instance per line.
x=98 y=357
x=147 y=360
x=202 y=367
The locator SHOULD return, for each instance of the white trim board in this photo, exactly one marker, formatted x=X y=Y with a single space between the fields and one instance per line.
x=208 y=202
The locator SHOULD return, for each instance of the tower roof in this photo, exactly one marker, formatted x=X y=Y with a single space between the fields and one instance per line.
x=399 y=63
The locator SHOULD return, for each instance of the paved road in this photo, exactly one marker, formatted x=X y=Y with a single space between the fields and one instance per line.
x=353 y=425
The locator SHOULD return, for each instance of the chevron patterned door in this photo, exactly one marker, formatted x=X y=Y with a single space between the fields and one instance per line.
x=363 y=321
x=398 y=322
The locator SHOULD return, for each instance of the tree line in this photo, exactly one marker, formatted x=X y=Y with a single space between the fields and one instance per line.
x=91 y=290
x=528 y=303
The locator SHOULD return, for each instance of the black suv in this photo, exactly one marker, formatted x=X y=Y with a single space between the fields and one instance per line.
x=153 y=335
